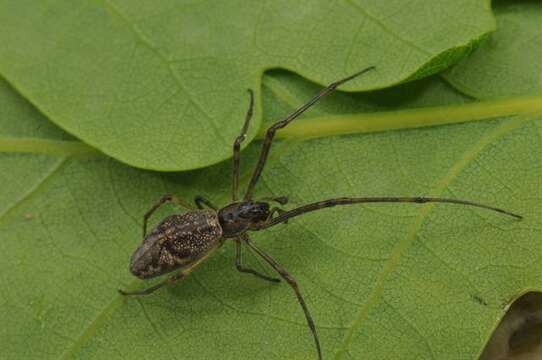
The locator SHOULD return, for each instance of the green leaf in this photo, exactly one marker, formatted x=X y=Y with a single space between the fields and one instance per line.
x=162 y=85
x=382 y=281
x=508 y=62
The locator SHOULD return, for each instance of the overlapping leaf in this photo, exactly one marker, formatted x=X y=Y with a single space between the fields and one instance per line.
x=507 y=63
x=162 y=85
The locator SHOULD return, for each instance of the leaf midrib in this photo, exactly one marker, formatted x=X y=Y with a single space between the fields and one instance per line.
x=31 y=145
x=329 y=125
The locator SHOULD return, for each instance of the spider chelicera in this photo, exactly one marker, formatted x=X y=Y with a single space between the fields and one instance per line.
x=182 y=241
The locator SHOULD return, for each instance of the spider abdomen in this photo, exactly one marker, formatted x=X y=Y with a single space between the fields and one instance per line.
x=178 y=241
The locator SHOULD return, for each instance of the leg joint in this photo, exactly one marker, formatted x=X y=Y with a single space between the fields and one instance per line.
x=238 y=141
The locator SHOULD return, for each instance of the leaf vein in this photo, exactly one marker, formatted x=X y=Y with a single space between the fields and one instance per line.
x=403 y=245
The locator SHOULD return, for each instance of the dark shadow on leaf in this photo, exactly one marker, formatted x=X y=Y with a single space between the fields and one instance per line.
x=519 y=335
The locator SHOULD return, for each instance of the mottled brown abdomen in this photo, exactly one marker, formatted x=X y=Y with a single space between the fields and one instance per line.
x=177 y=241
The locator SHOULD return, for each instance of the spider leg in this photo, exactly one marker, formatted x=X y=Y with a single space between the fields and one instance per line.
x=170 y=280
x=237 y=147
x=164 y=199
x=270 y=134
x=291 y=281
x=349 y=201
x=243 y=269
x=201 y=200
x=282 y=200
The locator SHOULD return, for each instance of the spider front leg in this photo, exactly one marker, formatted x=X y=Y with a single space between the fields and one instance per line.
x=282 y=200
x=200 y=200
x=285 y=215
x=151 y=289
x=246 y=270
x=291 y=281
x=270 y=134
x=237 y=147
x=164 y=199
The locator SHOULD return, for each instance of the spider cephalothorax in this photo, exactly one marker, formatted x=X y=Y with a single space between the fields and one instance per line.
x=236 y=218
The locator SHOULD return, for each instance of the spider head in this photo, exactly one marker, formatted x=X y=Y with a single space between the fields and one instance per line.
x=239 y=217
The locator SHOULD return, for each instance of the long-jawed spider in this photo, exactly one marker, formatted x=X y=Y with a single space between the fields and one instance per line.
x=182 y=241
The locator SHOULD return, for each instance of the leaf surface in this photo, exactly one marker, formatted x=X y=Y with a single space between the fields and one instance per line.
x=162 y=85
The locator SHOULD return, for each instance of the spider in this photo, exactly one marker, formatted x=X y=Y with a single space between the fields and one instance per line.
x=182 y=241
